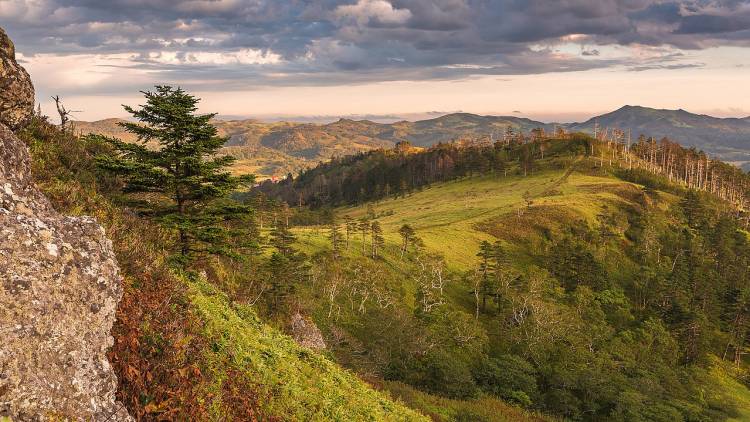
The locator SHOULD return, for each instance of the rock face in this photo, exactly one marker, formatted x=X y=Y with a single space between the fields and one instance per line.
x=16 y=90
x=306 y=333
x=59 y=288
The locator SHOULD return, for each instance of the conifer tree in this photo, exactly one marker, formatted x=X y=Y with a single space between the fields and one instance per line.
x=286 y=268
x=364 y=227
x=486 y=255
x=527 y=159
x=499 y=271
x=282 y=239
x=182 y=180
x=335 y=238
x=281 y=286
x=407 y=237
x=351 y=228
x=695 y=212
x=377 y=238
x=285 y=273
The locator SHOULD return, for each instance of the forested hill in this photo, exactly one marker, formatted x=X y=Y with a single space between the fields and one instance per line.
x=382 y=173
x=275 y=149
x=569 y=276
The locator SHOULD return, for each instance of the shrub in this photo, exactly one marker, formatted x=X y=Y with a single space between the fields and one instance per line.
x=509 y=377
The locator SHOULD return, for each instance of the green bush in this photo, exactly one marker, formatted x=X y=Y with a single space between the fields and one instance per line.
x=441 y=373
x=509 y=377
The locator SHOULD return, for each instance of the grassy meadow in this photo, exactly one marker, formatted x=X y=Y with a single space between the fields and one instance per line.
x=453 y=218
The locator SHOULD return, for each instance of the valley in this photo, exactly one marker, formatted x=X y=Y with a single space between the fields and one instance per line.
x=572 y=219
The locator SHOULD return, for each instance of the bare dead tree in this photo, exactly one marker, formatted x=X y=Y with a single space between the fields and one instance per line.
x=64 y=113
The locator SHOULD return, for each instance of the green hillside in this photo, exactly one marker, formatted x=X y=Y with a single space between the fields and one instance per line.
x=296 y=384
x=595 y=259
x=454 y=218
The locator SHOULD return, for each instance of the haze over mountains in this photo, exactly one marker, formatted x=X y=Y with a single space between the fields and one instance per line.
x=276 y=148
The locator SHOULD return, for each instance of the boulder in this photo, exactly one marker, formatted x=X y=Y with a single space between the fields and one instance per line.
x=306 y=333
x=16 y=90
x=59 y=288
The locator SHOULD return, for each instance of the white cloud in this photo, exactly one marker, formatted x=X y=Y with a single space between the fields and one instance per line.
x=78 y=71
x=242 y=57
x=366 y=11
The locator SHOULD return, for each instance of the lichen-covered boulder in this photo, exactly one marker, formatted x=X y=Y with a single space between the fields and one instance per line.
x=16 y=90
x=306 y=333
x=59 y=289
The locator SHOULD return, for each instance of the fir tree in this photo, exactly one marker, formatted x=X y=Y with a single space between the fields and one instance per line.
x=527 y=159
x=285 y=273
x=364 y=227
x=694 y=210
x=351 y=228
x=407 y=237
x=377 y=238
x=182 y=180
x=281 y=286
x=282 y=239
x=499 y=271
x=486 y=270
x=335 y=238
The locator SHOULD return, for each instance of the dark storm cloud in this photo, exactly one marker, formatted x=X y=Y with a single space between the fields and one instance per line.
x=350 y=41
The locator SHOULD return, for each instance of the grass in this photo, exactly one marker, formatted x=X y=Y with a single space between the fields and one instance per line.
x=300 y=384
x=452 y=218
x=477 y=410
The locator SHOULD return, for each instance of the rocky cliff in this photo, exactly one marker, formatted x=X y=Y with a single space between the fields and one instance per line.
x=59 y=286
x=16 y=90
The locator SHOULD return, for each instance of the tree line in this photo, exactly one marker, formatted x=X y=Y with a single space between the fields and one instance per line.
x=379 y=174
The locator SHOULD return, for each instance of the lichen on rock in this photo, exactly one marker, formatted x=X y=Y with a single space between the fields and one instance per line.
x=59 y=287
x=16 y=89
x=306 y=333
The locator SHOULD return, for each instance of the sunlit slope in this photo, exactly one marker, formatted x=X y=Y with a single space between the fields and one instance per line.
x=454 y=218
x=528 y=214
x=296 y=383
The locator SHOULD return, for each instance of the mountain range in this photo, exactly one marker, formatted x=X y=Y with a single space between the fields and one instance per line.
x=271 y=149
x=725 y=138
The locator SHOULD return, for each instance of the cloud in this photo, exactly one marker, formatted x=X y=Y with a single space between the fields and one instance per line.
x=241 y=57
x=375 y=12
x=248 y=44
x=666 y=66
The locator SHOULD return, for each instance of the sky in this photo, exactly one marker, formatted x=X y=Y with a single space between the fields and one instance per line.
x=553 y=60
